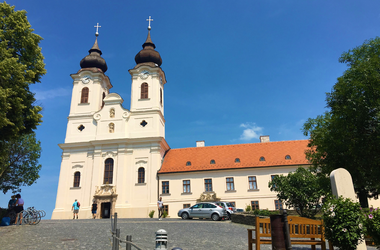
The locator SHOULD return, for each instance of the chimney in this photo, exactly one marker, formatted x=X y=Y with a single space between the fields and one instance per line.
x=200 y=144
x=264 y=138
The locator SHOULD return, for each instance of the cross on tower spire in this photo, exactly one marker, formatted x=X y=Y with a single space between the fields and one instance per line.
x=149 y=19
x=97 y=29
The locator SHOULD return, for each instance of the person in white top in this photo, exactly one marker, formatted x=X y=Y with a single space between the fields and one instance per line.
x=19 y=208
x=160 y=205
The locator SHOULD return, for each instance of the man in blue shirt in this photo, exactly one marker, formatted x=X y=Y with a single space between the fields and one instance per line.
x=75 y=208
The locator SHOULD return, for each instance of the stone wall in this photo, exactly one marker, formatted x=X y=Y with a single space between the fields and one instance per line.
x=250 y=219
x=244 y=218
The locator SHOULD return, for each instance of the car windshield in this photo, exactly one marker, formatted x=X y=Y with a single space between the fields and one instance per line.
x=229 y=204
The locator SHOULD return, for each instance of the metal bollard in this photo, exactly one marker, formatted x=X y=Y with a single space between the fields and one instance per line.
x=161 y=239
x=129 y=238
x=117 y=240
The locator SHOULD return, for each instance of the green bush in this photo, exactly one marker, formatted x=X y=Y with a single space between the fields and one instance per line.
x=248 y=208
x=372 y=224
x=263 y=212
x=164 y=214
x=343 y=222
x=151 y=213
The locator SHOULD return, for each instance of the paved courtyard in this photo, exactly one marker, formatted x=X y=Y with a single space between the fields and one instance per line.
x=95 y=234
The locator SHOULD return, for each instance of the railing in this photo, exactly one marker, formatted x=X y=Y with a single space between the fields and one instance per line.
x=160 y=243
x=116 y=241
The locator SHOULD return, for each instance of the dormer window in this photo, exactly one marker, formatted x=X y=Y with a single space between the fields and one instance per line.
x=287 y=157
x=237 y=160
x=262 y=158
x=212 y=162
x=188 y=163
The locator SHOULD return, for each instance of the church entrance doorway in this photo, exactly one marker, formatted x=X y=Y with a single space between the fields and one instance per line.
x=105 y=210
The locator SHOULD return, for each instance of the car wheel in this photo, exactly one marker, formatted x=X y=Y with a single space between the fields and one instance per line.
x=185 y=216
x=215 y=217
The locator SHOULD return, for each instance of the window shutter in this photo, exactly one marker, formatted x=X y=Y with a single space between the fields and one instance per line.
x=84 y=95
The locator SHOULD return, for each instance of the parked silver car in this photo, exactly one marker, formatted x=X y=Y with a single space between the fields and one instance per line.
x=203 y=210
x=228 y=206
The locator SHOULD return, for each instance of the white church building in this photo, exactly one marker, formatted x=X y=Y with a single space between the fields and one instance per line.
x=119 y=158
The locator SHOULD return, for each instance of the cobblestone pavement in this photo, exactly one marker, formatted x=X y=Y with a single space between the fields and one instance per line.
x=95 y=234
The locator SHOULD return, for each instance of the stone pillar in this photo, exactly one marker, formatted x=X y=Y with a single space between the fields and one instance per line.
x=342 y=185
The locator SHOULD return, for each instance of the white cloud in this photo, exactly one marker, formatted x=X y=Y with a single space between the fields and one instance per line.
x=50 y=94
x=251 y=131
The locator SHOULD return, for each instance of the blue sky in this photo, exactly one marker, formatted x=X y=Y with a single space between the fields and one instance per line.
x=235 y=70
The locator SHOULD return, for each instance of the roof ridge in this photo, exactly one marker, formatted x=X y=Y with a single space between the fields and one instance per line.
x=241 y=144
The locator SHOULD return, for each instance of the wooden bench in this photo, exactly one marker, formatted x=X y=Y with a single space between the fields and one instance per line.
x=303 y=231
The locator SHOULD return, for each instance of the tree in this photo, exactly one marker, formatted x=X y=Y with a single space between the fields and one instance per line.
x=302 y=190
x=19 y=167
x=348 y=135
x=21 y=64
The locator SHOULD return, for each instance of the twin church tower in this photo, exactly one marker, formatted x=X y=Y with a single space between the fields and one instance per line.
x=111 y=155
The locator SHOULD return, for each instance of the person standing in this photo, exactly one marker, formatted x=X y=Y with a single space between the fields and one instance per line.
x=160 y=205
x=75 y=208
x=19 y=208
x=94 y=208
x=12 y=202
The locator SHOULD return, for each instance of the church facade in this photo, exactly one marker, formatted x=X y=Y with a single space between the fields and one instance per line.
x=119 y=158
x=107 y=147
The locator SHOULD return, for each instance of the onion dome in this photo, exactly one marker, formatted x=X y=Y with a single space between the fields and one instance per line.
x=94 y=59
x=148 y=54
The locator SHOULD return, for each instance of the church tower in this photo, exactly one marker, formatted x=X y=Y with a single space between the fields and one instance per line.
x=90 y=87
x=147 y=92
x=111 y=155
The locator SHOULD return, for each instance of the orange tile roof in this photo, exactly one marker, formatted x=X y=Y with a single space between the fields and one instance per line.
x=224 y=156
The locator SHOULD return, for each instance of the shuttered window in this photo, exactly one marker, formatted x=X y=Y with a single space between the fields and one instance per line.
x=84 y=95
x=108 y=171
x=144 y=90
x=76 y=179
x=141 y=177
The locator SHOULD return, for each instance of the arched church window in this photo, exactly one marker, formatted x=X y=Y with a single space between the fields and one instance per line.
x=108 y=171
x=144 y=91
x=161 y=96
x=84 y=95
x=141 y=177
x=76 y=179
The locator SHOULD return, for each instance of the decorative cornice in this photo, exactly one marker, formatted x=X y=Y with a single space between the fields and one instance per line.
x=128 y=141
x=109 y=154
x=97 y=116
x=105 y=190
x=155 y=149
x=90 y=154
x=65 y=156
x=208 y=196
